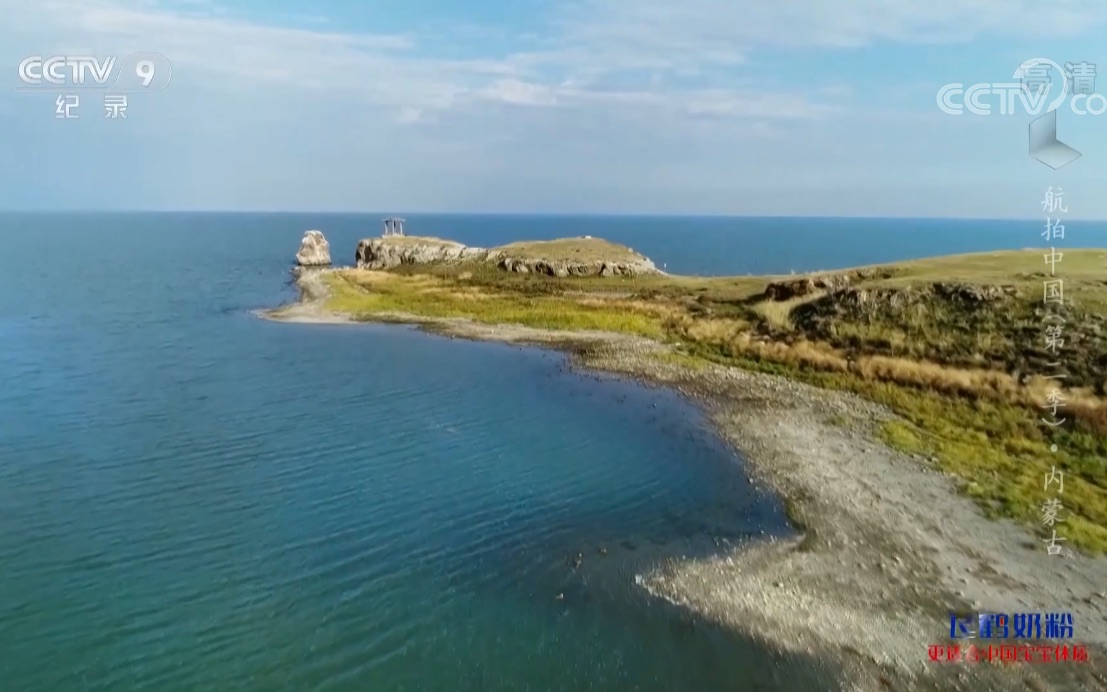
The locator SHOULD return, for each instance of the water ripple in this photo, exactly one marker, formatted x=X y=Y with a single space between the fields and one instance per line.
x=191 y=498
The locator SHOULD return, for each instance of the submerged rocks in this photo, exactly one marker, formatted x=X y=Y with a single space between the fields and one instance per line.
x=314 y=251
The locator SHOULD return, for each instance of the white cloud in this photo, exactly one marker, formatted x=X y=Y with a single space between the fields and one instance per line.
x=520 y=93
x=592 y=49
x=391 y=70
x=240 y=55
x=667 y=44
x=726 y=103
x=655 y=96
x=410 y=116
x=724 y=31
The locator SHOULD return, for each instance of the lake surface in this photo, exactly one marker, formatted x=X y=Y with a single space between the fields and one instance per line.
x=194 y=498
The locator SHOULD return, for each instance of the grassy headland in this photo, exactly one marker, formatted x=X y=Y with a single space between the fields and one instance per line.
x=955 y=345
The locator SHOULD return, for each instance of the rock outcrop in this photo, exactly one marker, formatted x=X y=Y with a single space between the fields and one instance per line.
x=564 y=268
x=801 y=286
x=885 y=302
x=972 y=294
x=886 y=298
x=393 y=251
x=385 y=253
x=314 y=251
x=805 y=286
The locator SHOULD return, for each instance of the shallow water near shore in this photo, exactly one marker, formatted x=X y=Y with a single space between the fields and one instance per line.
x=195 y=498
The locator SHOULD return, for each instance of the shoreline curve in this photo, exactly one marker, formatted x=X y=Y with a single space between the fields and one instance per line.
x=887 y=548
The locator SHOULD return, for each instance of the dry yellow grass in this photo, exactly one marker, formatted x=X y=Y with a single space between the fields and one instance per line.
x=779 y=313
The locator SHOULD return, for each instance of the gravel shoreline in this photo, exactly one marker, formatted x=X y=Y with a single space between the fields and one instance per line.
x=888 y=546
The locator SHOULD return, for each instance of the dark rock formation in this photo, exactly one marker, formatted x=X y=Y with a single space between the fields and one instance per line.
x=885 y=298
x=805 y=285
x=969 y=293
x=945 y=300
x=820 y=283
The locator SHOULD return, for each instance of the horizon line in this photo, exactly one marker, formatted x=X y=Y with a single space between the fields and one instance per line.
x=563 y=214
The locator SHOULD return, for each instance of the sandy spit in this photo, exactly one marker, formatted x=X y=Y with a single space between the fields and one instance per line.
x=888 y=546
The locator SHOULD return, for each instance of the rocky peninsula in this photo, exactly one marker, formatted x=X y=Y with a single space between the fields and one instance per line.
x=894 y=408
x=558 y=258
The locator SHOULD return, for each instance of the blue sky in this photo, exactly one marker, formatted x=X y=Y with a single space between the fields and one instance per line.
x=759 y=107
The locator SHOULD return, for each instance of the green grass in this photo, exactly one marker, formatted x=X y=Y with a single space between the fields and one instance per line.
x=568 y=249
x=415 y=297
x=839 y=420
x=995 y=449
x=953 y=371
x=1005 y=471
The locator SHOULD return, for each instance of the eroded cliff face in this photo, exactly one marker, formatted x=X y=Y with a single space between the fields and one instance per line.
x=314 y=251
x=563 y=268
x=385 y=253
x=388 y=252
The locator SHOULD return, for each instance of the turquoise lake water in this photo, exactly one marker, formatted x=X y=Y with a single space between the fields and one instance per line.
x=192 y=498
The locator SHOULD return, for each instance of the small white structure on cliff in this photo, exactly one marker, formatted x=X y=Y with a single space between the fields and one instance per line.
x=393 y=226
